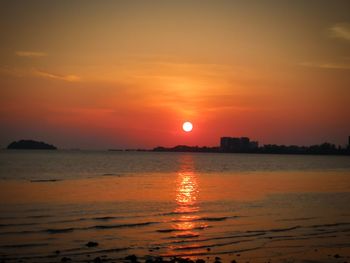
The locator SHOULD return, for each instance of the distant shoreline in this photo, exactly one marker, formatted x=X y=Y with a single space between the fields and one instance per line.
x=260 y=150
x=227 y=145
x=173 y=151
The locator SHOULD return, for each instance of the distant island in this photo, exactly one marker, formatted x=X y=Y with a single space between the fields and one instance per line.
x=245 y=145
x=30 y=145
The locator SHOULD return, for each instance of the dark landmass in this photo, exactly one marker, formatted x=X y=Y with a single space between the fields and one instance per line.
x=185 y=148
x=244 y=145
x=322 y=149
x=30 y=145
x=129 y=150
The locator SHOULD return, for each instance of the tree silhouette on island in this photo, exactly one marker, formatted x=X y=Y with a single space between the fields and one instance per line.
x=30 y=145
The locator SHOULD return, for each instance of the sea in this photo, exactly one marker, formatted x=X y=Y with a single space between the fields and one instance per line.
x=83 y=206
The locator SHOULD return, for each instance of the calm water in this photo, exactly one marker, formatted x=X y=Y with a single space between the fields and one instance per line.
x=254 y=208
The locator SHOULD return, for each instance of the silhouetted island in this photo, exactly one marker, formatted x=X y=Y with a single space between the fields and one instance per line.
x=30 y=145
x=245 y=145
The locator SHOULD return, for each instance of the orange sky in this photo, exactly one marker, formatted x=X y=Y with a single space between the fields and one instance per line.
x=127 y=74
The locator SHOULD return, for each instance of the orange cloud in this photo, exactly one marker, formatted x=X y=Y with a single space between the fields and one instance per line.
x=341 y=30
x=44 y=74
x=326 y=65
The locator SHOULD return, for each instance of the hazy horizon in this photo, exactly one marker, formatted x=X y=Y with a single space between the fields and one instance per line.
x=4 y=147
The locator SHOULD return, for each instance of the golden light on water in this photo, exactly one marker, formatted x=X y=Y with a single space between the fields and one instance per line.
x=187 y=192
x=187 y=186
x=187 y=189
x=186 y=199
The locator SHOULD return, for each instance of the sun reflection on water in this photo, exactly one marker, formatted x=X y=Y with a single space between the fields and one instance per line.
x=187 y=191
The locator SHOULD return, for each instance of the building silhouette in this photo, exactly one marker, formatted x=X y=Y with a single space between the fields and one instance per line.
x=235 y=144
x=245 y=145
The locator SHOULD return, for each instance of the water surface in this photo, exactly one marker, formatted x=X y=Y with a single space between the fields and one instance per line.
x=247 y=207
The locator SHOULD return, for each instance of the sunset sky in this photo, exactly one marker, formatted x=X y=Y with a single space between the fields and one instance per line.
x=127 y=74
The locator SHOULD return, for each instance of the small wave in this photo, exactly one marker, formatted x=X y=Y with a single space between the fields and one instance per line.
x=62 y=230
x=284 y=229
x=45 y=180
x=166 y=230
x=177 y=213
x=296 y=219
x=274 y=230
x=225 y=237
x=111 y=174
x=19 y=224
x=121 y=225
x=68 y=220
x=303 y=238
x=277 y=237
x=25 y=245
x=188 y=235
x=193 y=247
x=71 y=229
x=328 y=232
x=19 y=232
x=66 y=230
x=216 y=218
x=210 y=219
x=178 y=229
x=105 y=218
x=331 y=225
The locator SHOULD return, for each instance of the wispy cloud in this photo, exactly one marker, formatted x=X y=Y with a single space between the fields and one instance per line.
x=341 y=30
x=330 y=65
x=45 y=74
x=30 y=54
x=23 y=72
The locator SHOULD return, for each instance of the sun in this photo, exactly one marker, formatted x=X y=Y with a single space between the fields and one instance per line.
x=187 y=126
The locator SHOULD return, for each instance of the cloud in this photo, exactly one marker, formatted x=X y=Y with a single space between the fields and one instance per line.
x=341 y=30
x=23 y=72
x=44 y=74
x=30 y=54
x=326 y=65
